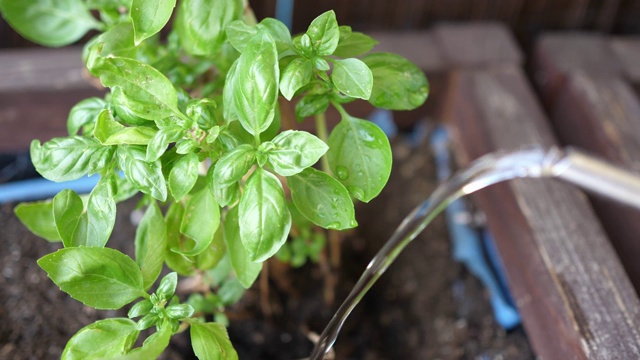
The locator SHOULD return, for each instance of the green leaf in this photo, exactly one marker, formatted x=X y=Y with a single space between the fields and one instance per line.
x=120 y=103
x=152 y=347
x=229 y=170
x=322 y=199
x=297 y=74
x=352 y=77
x=161 y=140
x=68 y=208
x=239 y=33
x=38 y=218
x=324 y=33
x=246 y=270
x=179 y=263
x=264 y=217
x=102 y=339
x=360 y=157
x=84 y=112
x=64 y=159
x=145 y=176
x=210 y=341
x=106 y=125
x=255 y=84
x=183 y=175
x=117 y=41
x=398 y=84
x=151 y=244
x=148 y=93
x=201 y=24
x=149 y=17
x=211 y=256
x=96 y=224
x=279 y=32
x=295 y=151
x=311 y=105
x=168 y=285
x=228 y=103
x=49 y=22
x=354 y=45
x=200 y=221
x=102 y=278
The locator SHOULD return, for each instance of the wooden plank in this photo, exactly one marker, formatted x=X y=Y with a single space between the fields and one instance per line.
x=627 y=50
x=42 y=69
x=574 y=296
x=603 y=116
x=559 y=54
x=477 y=44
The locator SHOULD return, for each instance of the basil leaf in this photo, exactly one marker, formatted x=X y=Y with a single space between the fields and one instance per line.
x=49 y=22
x=106 y=125
x=183 y=175
x=322 y=199
x=246 y=270
x=177 y=262
x=152 y=347
x=255 y=84
x=119 y=102
x=38 y=218
x=324 y=33
x=229 y=170
x=102 y=339
x=134 y=135
x=84 y=112
x=161 y=140
x=151 y=244
x=239 y=33
x=311 y=105
x=64 y=159
x=354 y=45
x=68 y=208
x=200 y=221
x=297 y=74
x=211 y=341
x=96 y=224
x=264 y=217
x=102 y=278
x=148 y=93
x=228 y=103
x=200 y=24
x=279 y=32
x=145 y=176
x=360 y=157
x=352 y=77
x=117 y=41
x=295 y=151
x=149 y=17
x=398 y=84
x=211 y=256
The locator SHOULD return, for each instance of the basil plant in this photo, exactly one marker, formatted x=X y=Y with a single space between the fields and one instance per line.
x=192 y=120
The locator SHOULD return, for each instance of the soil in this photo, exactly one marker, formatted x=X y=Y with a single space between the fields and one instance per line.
x=425 y=307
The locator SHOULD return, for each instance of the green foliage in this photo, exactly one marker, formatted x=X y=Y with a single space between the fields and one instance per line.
x=194 y=125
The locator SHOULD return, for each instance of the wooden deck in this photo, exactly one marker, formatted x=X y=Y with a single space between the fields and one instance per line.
x=569 y=258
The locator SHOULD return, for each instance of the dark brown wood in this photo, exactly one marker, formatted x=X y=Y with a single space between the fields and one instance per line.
x=37 y=89
x=603 y=116
x=559 y=54
x=574 y=296
x=477 y=44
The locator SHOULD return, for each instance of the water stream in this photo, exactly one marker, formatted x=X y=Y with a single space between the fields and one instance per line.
x=569 y=165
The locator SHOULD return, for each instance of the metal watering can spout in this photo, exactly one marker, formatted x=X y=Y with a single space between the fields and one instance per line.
x=570 y=165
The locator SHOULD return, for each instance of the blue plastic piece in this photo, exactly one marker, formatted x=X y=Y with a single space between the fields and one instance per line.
x=384 y=119
x=38 y=189
x=284 y=12
x=468 y=242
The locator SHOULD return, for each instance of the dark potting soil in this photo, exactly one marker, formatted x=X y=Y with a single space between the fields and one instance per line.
x=425 y=307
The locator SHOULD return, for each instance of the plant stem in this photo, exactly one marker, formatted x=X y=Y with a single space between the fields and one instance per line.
x=321 y=130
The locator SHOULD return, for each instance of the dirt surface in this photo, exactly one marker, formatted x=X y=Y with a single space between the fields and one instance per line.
x=425 y=307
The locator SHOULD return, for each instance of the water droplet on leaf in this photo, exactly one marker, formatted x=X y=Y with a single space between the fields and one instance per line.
x=342 y=173
x=356 y=192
